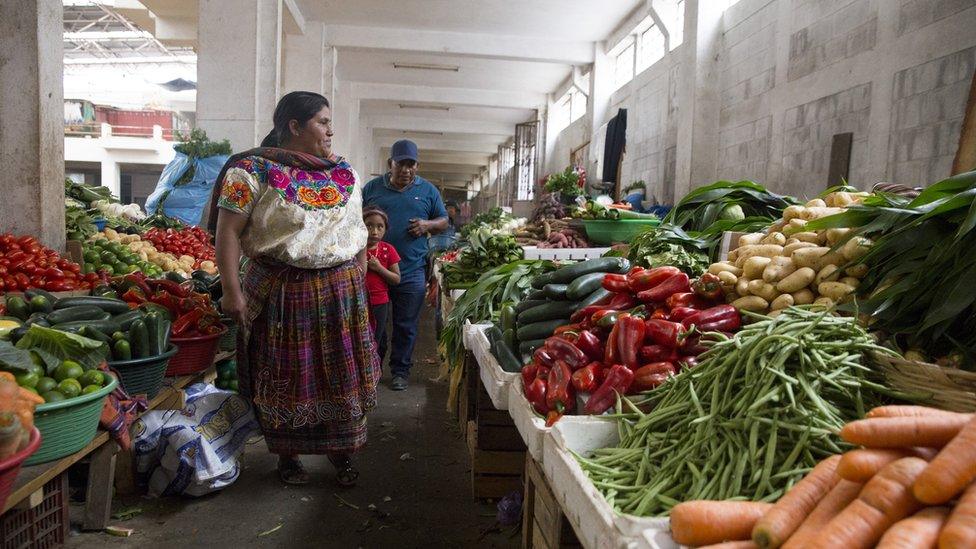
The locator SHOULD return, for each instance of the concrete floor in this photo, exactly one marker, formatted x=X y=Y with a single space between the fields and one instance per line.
x=414 y=470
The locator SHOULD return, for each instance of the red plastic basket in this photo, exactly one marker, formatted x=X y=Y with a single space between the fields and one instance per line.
x=10 y=467
x=40 y=527
x=196 y=354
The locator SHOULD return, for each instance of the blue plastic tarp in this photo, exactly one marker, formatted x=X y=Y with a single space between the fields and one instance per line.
x=186 y=202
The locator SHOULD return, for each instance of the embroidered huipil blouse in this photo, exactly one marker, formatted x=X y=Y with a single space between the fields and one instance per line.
x=310 y=219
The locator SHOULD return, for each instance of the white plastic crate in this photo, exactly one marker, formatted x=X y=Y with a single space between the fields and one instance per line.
x=495 y=380
x=595 y=522
x=563 y=254
x=470 y=331
x=530 y=425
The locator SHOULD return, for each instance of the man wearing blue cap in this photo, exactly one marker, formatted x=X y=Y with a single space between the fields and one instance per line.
x=415 y=209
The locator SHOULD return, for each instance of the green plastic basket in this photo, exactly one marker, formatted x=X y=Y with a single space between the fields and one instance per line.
x=144 y=376
x=69 y=425
x=606 y=231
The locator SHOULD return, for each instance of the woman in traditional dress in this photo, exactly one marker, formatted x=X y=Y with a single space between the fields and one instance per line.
x=305 y=354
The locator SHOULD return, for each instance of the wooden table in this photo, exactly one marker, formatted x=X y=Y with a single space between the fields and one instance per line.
x=28 y=488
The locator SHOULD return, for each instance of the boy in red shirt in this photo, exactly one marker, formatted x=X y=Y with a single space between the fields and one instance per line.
x=382 y=272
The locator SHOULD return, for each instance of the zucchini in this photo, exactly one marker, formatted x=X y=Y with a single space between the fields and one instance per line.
x=537 y=294
x=125 y=320
x=584 y=285
x=508 y=336
x=139 y=339
x=493 y=333
x=80 y=312
x=17 y=307
x=556 y=291
x=39 y=319
x=570 y=273
x=528 y=347
x=105 y=326
x=156 y=339
x=507 y=317
x=550 y=311
x=595 y=297
x=506 y=358
x=107 y=304
x=34 y=292
x=528 y=304
x=105 y=291
x=121 y=350
x=92 y=333
x=539 y=330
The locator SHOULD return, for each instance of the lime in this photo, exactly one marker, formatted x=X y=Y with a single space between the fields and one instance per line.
x=109 y=270
x=45 y=384
x=37 y=360
x=70 y=388
x=52 y=396
x=91 y=256
x=90 y=389
x=28 y=379
x=131 y=268
x=69 y=369
x=107 y=257
x=119 y=267
x=37 y=369
x=90 y=268
x=31 y=389
x=92 y=377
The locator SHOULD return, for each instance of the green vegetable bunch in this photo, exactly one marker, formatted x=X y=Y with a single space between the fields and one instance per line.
x=486 y=249
x=198 y=145
x=669 y=245
x=493 y=218
x=565 y=183
x=87 y=193
x=78 y=224
x=729 y=202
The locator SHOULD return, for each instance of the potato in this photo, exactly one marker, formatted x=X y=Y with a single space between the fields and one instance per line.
x=796 y=281
x=724 y=266
x=830 y=273
x=856 y=248
x=753 y=267
x=808 y=236
x=836 y=235
x=762 y=250
x=824 y=302
x=774 y=314
x=816 y=203
x=836 y=291
x=803 y=297
x=742 y=286
x=858 y=270
x=728 y=278
x=733 y=255
x=790 y=248
x=752 y=303
x=816 y=258
x=763 y=289
x=774 y=238
x=781 y=302
x=795 y=225
x=794 y=212
x=817 y=213
x=778 y=269
x=750 y=239
x=850 y=281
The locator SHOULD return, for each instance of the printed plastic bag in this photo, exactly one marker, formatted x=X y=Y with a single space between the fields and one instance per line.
x=185 y=202
x=194 y=451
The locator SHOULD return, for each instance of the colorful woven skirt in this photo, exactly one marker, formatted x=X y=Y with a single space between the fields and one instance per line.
x=306 y=357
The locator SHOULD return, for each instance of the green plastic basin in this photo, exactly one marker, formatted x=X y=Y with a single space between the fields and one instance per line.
x=69 y=425
x=144 y=376
x=607 y=232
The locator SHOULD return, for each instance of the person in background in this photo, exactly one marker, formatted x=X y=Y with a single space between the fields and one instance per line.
x=453 y=212
x=415 y=210
x=383 y=271
x=305 y=353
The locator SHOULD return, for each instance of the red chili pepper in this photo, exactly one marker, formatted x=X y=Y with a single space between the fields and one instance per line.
x=622 y=301
x=567 y=328
x=720 y=318
x=634 y=270
x=651 y=375
x=138 y=280
x=543 y=358
x=674 y=284
x=708 y=286
x=559 y=392
x=651 y=278
x=186 y=322
x=563 y=350
x=168 y=286
x=535 y=393
x=617 y=382
x=657 y=353
x=586 y=379
x=529 y=372
x=629 y=340
x=590 y=344
x=611 y=352
x=616 y=283
x=552 y=417
x=664 y=332
x=680 y=313
x=686 y=299
x=661 y=312
x=134 y=295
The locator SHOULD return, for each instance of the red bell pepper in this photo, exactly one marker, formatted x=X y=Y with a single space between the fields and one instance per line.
x=138 y=280
x=566 y=328
x=563 y=350
x=606 y=318
x=622 y=301
x=692 y=345
x=657 y=353
x=134 y=295
x=680 y=313
x=616 y=283
x=618 y=381
x=648 y=279
x=590 y=344
x=587 y=378
x=639 y=311
x=720 y=318
x=629 y=340
x=662 y=313
x=664 y=332
x=535 y=393
x=559 y=388
x=541 y=357
x=529 y=372
x=708 y=286
x=614 y=302
x=611 y=352
x=674 y=284
x=686 y=299
x=651 y=375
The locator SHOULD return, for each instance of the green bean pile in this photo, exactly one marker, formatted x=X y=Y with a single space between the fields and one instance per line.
x=757 y=414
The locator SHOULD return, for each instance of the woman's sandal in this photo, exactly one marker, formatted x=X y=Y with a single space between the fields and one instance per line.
x=292 y=471
x=346 y=473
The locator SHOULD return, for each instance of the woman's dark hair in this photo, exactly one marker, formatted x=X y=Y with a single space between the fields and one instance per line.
x=373 y=210
x=297 y=105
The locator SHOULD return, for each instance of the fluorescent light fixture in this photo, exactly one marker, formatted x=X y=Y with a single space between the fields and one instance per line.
x=409 y=132
x=424 y=107
x=427 y=67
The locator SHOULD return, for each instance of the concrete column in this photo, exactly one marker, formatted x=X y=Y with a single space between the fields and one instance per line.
x=601 y=85
x=111 y=176
x=306 y=63
x=238 y=69
x=32 y=120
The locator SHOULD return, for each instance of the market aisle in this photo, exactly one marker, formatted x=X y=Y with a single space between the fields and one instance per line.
x=415 y=457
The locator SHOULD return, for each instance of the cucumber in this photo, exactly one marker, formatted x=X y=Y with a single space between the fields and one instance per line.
x=506 y=358
x=92 y=333
x=105 y=326
x=528 y=304
x=556 y=291
x=34 y=292
x=570 y=273
x=550 y=311
x=39 y=319
x=537 y=294
x=107 y=304
x=584 y=285
x=80 y=312
x=593 y=298
x=139 y=339
x=41 y=304
x=507 y=317
x=121 y=350
x=17 y=307
x=508 y=336
x=539 y=330
x=493 y=333
x=528 y=347
x=125 y=320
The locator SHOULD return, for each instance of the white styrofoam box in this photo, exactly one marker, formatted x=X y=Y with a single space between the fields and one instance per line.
x=585 y=507
x=534 y=252
x=495 y=380
x=530 y=425
x=470 y=330
x=456 y=294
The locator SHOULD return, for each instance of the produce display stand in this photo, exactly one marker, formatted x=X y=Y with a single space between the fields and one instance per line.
x=495 y=381
x=563 y=254
x=544 y=525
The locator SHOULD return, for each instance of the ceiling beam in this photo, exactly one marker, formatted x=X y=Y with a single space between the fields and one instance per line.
x=490 y=46
x=424 y=143
x=446 y=125
x=448 y=96
x=293 y=20
x=448 y=157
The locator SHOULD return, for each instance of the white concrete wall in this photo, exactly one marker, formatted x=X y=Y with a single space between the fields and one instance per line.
x=790 y=74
